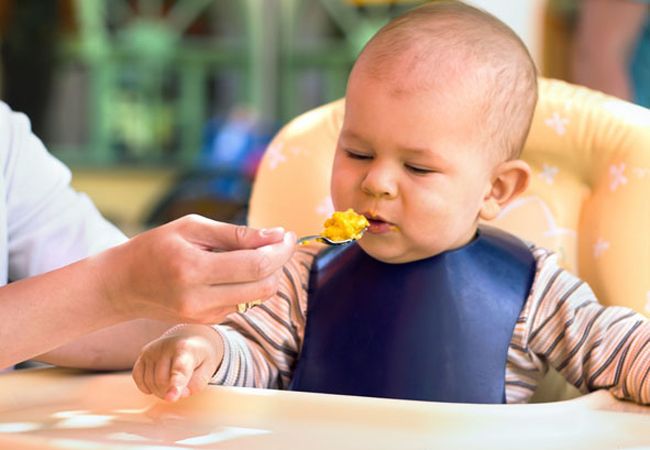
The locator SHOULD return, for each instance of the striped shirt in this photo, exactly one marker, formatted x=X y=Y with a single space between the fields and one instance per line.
x=561 y=325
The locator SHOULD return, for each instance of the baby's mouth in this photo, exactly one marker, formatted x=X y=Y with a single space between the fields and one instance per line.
x=377 y=225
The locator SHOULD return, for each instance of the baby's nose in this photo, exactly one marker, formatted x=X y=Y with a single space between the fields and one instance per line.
x=380 y=183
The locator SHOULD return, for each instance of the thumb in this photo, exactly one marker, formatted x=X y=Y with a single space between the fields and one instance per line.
x=200 y=378
x=181 y=372
x=244 y=237
x=225 y=236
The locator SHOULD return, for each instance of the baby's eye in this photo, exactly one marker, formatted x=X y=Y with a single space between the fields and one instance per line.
x=418 y=170
x=354 y=154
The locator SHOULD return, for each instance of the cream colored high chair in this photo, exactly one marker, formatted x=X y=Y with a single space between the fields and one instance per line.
x=588 y=200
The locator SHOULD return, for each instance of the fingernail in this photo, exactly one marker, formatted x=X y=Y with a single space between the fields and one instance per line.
x=271 y=231
x=172 y=394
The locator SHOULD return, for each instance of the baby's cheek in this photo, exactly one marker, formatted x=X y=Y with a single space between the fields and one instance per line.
x=425 y=243
x=337 y=203
x=340 y=197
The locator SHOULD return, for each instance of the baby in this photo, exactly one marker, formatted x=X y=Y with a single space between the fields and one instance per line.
x=428 y=305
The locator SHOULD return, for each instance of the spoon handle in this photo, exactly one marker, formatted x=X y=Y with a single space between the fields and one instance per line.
x=305 y=239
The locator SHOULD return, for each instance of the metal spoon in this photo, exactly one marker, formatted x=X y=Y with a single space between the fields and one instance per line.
x=328 y=241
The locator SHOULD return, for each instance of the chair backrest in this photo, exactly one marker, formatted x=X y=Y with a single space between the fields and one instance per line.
x=588 y=200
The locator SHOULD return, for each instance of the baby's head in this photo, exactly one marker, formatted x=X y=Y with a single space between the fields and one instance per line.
x=438 y=107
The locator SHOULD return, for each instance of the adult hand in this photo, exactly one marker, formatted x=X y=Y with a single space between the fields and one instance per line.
x=193 y=270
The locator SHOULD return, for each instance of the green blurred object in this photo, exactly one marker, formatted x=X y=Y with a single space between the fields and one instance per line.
x=148 y=78
x=28 y=57
x=330 y=56
x=150 y=70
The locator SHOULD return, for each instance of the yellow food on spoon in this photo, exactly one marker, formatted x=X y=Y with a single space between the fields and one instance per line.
x=341 y=226
x=344 y=225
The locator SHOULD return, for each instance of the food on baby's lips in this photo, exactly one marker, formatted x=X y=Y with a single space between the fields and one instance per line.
x=344 y=225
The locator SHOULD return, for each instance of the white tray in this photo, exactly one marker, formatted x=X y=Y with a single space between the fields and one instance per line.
x=62 y=409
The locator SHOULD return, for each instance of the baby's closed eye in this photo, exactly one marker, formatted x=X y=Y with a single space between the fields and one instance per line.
x=357 y=154
x=419 y=170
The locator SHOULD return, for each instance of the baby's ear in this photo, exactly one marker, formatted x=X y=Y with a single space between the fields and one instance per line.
x=510 y=179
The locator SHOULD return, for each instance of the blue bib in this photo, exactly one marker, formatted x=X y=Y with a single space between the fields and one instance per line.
x=436 y=329
x=640 y=67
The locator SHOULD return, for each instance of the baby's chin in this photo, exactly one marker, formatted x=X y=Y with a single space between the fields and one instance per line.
x=383 y=252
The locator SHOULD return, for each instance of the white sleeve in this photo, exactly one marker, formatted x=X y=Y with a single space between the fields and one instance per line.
x=48 y=224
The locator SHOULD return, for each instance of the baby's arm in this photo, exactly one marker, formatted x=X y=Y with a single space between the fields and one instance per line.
x=592 y=346
x=261 y=345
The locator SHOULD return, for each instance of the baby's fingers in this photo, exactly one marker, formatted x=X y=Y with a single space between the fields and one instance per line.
x=182 y=368
x=200 y=379
x=139 y=369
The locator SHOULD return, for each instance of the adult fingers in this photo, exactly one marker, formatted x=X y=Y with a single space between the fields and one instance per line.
x=211 y=304
x=239 y=266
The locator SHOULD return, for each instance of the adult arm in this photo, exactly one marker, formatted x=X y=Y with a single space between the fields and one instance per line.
x=169 y=274
x=190 y=270
x=114 y=348
x=606 y=33
x=45 y=311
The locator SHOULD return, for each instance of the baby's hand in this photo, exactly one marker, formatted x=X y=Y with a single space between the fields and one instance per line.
x=179 y=363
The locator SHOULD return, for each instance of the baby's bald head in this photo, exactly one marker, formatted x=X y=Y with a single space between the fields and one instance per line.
x=446 y=45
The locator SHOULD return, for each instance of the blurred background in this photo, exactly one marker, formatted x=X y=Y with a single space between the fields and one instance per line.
x=164 y=107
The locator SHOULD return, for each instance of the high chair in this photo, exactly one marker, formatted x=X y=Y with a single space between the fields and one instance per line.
x=587 y=201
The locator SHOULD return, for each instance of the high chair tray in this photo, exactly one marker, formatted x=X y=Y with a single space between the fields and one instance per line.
x=64 y=409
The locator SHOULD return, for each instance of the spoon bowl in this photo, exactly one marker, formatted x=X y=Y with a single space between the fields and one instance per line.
x=328 y=241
